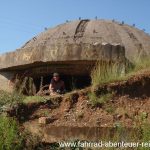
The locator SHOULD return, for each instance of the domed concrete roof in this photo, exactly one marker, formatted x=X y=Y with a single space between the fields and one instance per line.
x=136 y=42
x=82 y=40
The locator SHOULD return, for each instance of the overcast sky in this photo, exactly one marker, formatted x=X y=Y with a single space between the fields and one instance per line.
x=20 y=20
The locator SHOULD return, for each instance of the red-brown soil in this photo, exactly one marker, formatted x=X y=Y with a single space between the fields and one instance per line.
x=129 y=107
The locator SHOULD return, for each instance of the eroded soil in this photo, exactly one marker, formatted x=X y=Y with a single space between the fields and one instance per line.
x=129 y=107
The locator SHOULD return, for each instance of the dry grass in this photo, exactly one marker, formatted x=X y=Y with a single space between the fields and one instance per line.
x=140 y=64
x=105 y=72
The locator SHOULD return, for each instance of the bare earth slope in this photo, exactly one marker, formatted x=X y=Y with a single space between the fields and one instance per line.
x=73 y=116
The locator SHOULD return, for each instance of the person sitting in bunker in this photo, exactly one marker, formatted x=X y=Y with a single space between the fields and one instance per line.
x=57 y=86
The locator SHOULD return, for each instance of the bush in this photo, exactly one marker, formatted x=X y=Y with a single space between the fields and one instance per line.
x=10 y=139
x=146 y=132
x=9 y=99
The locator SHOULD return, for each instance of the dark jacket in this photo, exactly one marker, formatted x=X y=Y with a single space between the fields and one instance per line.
x=59 y=85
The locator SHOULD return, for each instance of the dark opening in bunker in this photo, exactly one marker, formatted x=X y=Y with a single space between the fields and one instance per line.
x=71 y=82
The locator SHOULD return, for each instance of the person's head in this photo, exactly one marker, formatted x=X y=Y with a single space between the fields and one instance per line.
x=56 y=76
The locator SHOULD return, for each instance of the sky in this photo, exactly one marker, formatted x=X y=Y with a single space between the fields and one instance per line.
x=20 y=20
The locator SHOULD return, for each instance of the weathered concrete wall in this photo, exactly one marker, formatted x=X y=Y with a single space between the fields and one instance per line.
x=51 y=134
x=70 y=59
x=63 y=53
x=5 y=81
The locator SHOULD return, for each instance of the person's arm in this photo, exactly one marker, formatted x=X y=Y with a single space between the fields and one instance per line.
x=51 y=88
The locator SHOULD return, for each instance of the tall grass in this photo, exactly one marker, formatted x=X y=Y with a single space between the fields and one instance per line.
x=10 y=138
x=140 y=64
x=105 y=72
x=145 y=132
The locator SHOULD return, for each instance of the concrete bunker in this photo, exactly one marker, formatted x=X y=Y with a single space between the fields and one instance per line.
x=31 y=75
x=71 y=49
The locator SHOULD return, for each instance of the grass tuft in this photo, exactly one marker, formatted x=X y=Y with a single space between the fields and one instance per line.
x=105 y=72
x=33 y=99
x=141 y=64
x=95 y=100
x=9 y=134
x=9 y=99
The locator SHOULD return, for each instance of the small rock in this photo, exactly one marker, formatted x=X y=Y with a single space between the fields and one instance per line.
x=119 y=116
x=66 y=110
x=44 y=120
x=82 y=107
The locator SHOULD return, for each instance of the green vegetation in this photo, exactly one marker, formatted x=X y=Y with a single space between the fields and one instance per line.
x=10 y=138
x=145 y=132
x=141 y=64
x=106 y=72
x=9 y=99
x=143 y=116
x=33 y=99
x=110 y=109
x=97 y=100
